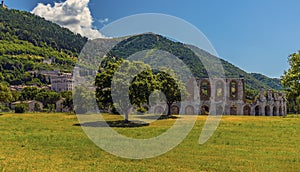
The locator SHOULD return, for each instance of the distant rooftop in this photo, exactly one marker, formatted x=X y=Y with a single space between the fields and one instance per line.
x=3 y=5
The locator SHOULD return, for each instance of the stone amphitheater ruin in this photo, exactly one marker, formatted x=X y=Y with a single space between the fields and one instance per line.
x=227 y=96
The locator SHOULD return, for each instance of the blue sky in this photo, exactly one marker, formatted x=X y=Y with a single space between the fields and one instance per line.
x=255 y=35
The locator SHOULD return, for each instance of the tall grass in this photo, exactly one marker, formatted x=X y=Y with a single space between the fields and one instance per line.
x=51 y=142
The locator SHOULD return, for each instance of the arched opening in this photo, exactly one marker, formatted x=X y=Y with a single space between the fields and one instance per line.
x=204 y=110
x=280 y=111
x=247 y=110
x=174 y=110
x=257 y=111
x=275 y=111
x=189 y=110
x=37 y=107
x=233 y=90
x=267 y=111
x=205 y=90
x=233 y=110
x=219 y=90
x=219 y=110
x=158 y=110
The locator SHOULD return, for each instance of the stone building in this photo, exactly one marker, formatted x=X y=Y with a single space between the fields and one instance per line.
x=227 y=96
x=61 y=82
x=33 y=105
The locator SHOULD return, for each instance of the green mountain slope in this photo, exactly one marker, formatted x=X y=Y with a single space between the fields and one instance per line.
x=28 y=27
x=271 y=82
x=28 y=41
x=148 y=41
x=142 y=42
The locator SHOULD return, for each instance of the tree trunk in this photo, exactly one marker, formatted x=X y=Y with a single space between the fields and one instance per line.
x=169 y=109
x=126 y=118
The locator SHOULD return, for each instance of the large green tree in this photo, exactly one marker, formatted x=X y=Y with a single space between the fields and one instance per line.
x=137 y=82
x=173 y=89
x=132 y=84
x=103 y=84
x=291 y=82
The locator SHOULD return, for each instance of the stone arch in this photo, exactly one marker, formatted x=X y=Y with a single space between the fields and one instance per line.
x=280 y=111
x=257 y=110
x=246 y=110
x=205 y=90
x=267 y=111
x=189 y=110
x=204 y=110
x=275 y=111
x=219 y=110
x=233 y=89
x=219 y=89
x=159 y=110
x=233 y=110
x=174 y=110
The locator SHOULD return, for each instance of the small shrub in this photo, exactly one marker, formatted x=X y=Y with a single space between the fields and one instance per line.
x=142 y=109
x=21 y=108
x=4 y=108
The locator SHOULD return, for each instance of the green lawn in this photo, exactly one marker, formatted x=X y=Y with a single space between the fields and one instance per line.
x=51 y=142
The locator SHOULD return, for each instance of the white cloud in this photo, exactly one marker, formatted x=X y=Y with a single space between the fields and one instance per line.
x=72 y=14
x=103 y=21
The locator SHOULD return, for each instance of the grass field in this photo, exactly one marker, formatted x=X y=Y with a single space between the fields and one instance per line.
x=51 y=142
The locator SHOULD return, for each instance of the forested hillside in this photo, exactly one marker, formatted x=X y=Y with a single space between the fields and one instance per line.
x=152 y=41
x=30 y=43
x=272 y=82
x=21 y=25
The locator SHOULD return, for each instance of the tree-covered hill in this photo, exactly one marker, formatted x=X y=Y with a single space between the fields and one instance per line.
x=29 y=43
x=272 y=82
x=150 y=41
x=184 y=52
x=28 y=27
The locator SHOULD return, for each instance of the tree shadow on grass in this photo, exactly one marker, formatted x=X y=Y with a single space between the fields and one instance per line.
x=162 y=117
x=116 y=124
x=156 y=117
x=168 y=117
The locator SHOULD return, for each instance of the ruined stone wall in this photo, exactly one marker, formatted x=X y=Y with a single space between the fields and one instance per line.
x=270 y=103
x=227 y=96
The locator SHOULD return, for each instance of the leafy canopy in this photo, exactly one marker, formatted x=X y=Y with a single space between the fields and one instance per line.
x=5 y=94
x=291 y=82
x=135 y=81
